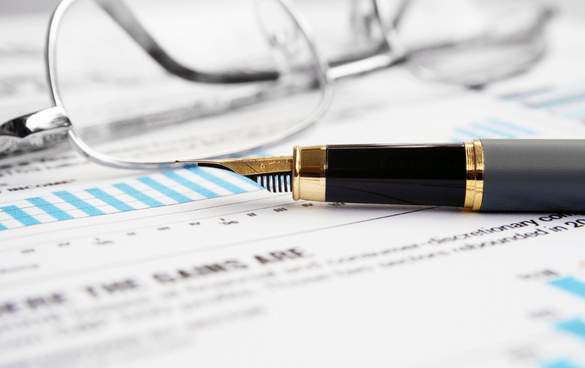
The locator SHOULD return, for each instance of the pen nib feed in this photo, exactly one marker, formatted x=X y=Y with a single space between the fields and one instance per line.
x=275 y=183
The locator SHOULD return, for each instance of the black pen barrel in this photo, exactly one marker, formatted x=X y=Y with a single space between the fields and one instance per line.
x=397 y=174
x=483 y=175
x=414 y=174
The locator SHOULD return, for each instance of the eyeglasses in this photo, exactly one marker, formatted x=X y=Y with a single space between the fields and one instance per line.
x=146 y=83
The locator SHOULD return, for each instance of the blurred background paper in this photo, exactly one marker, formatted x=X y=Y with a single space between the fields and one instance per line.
x=119 y=268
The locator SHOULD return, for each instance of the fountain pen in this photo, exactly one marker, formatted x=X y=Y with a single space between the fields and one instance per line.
x=482 y=175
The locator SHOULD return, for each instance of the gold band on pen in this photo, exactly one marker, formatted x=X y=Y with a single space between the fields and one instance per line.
x=308 y=174
x=474 y=178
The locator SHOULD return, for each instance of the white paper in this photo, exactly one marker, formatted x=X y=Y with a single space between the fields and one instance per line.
x=257 y=279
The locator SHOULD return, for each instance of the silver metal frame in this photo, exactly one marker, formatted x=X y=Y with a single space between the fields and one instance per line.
x=50 y=127
x=106 y=160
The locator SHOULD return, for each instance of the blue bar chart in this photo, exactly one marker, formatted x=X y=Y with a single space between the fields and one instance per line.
x=490 y=128
x=574 y=327
x=571 y=285
x=564 y=100
x=129 y=194
x=560 y=364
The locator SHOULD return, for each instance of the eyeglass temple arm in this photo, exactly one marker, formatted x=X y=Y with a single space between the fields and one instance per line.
x=39 y=130
x=388 y=53
x=120 y=13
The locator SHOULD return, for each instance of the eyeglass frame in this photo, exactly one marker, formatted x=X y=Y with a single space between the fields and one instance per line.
x=50 y=127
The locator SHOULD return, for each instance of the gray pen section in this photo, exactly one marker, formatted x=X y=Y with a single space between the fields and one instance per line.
x=534 y=175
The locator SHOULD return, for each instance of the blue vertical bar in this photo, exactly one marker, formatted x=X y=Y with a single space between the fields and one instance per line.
x=560 y=364
x=525 y=95
x=571 y=285
x=189 y=184
x=78 y=203
x=575 y=327
x=559 y=102
x=112 y=201
x=511 y=126
x=139 y=196
x=217 y=181
x=493 y=130
x=468 y=133
x=21 y=216
x=50 y=208
x=574 y=114
x=250 y=181
x=164 y=190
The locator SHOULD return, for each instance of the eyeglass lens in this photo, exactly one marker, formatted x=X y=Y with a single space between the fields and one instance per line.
x=159 y=80
x=193 y=100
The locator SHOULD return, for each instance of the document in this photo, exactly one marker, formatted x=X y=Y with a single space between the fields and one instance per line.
x=556 y=85
x=200 y=267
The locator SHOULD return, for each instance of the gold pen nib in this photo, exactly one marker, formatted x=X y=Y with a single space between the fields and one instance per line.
x=273 y=173
x=303 y=173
